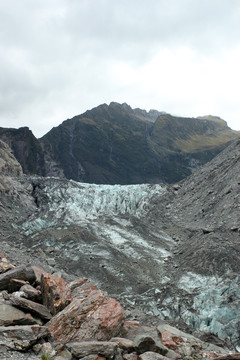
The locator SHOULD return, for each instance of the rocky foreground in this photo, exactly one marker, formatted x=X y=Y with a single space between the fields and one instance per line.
x=42 y=316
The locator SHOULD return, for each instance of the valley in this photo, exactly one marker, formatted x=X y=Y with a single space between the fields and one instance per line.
x=166 y=252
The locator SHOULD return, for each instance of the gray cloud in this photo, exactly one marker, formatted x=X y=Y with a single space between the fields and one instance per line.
x=58 y=56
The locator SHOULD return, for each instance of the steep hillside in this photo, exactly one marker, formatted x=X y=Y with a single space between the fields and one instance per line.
x=8 y=163
x=26 y=149
x=116 y=144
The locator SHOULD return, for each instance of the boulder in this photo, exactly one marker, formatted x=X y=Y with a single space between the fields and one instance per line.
x=15 y=285
x=56 y=294
x=124 y=344
x=22 y=272
x=131 y=356
x=81 y=288
x=145 y=337
x=149 y=355
x=10 y=315
x=21 y=337
x=30 y=293
x=85 y=348
x=38 y=273
x=167 y=340
x=177 y=335
x=90 y=316
x=129 y=329
x=93 y=357
x=35 y=308
x=173 y=355
x=148 y=342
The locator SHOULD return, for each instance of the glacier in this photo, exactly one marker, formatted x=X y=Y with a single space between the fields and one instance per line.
x=104 y=232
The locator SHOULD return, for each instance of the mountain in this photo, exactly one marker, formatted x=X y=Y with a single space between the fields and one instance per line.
x=26 y=148
x=115 y=144
x=167 y=252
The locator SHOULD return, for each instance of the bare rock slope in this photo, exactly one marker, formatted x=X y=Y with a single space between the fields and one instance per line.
x=165 y=252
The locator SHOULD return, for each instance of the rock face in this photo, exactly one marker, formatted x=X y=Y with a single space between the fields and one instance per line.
x=8 y=163
x=56 y=294
x=89 y=316
x=26 y=149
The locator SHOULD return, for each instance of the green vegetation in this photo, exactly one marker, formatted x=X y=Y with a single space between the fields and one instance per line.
x=118 y=145
x=45 y=357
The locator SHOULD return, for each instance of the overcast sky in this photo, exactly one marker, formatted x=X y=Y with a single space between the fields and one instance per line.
x=59 y=58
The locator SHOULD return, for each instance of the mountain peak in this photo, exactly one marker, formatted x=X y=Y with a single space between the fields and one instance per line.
x=216 y=119
x=118 y=144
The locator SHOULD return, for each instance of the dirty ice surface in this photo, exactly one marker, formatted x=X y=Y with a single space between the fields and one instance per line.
x=75 y=203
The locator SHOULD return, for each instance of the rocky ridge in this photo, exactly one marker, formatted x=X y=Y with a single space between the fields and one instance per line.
x=115 y=144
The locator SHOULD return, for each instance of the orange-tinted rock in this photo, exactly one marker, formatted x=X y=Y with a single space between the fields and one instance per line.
x=177 y=339
x=82 y=288
x=56 y=294
x=90 y=316
x=167 y=340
